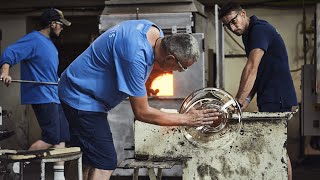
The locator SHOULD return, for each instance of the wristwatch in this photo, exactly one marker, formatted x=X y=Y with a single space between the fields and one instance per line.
x=248 y=99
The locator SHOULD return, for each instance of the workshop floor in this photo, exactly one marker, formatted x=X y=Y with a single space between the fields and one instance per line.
x=306 y=169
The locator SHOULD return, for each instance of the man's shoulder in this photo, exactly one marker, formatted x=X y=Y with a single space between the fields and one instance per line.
x=27 y=39
x=30 y=36
x=33 y=34
x=260 y=23
x=262 y=26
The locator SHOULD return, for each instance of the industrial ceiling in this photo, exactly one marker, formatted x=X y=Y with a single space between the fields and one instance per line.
x=14 y=6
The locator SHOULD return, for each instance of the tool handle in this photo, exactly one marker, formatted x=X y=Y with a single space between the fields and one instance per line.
x=34 y=82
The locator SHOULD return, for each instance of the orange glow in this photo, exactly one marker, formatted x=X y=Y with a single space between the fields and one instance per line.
x=163 y=84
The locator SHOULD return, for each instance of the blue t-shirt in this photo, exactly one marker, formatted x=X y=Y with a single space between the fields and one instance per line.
x=274 y=82
x=39 y=62
x=116 y=65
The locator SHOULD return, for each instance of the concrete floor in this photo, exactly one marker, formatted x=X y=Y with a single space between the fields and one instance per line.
x=307 y=168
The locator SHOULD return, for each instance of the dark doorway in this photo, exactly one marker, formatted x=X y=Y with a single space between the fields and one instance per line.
x=73 y=39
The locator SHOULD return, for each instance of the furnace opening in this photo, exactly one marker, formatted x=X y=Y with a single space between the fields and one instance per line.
x=160 y=82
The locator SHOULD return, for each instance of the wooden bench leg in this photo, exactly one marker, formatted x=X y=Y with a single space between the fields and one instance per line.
x=136 y=174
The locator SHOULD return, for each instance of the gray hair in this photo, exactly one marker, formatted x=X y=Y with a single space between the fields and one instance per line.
x=182 y=45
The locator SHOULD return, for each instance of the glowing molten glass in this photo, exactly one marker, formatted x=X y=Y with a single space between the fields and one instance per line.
x=163 y=85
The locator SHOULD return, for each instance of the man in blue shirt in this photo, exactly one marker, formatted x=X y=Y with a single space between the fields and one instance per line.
x=267 y=70
x=39 y=61
x=116 y=66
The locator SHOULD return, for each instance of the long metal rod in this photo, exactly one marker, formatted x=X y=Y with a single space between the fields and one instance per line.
x=34 y=82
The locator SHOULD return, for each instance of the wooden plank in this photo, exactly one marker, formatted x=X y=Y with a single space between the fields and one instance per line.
x=30 y=154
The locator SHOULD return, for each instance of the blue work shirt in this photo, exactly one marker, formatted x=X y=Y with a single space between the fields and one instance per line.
x=274 y=82
x=116 y=65
x=39 y=61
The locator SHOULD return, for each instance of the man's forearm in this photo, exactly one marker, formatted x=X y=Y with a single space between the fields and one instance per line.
x=249 y=74
x=145 y=113
x=155 y=116
x=246 y=84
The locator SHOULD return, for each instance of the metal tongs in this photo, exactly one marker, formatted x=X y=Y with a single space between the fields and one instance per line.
x=34 y=82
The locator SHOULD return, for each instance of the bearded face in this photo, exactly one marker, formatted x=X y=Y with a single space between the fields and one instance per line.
x=55 y=29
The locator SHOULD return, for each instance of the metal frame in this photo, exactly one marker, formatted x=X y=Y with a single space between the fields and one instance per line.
x=6 y=159
x=177 y=20
x=150 y=165
x=153 y=6
x=317 y=61
x=310 y=116
x=0 y=115
x=219 y=49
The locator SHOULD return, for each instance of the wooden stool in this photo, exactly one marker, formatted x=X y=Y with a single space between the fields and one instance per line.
x=43 y=156
x=150 y=165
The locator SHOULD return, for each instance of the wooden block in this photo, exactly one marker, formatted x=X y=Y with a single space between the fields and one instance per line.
x=7 y=151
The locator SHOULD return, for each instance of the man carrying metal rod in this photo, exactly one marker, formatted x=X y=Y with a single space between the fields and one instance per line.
x=39 y=61
x=34 y=82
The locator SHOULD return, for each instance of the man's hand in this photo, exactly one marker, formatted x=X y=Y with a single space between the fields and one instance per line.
x=6 y=79
x=202 y=117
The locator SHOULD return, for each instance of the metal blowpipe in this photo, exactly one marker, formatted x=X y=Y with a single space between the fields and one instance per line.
x=34 y=82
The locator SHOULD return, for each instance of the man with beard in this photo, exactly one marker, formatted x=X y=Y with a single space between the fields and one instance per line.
x=39 y=61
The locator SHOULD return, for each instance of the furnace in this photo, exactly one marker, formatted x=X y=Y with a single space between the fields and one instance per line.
x=172 y=17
